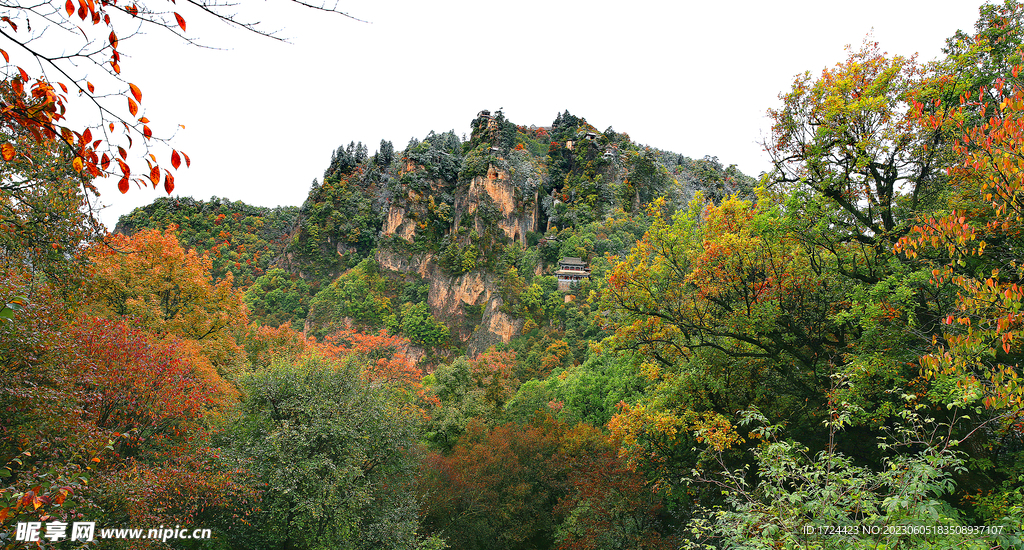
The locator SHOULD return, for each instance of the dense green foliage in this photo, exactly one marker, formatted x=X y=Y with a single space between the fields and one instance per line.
x=348 y=452
x=240 y=239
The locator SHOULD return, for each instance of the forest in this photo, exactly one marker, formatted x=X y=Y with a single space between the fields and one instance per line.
x=826 y=356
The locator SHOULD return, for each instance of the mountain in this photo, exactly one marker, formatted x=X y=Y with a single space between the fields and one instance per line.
x=446 y=233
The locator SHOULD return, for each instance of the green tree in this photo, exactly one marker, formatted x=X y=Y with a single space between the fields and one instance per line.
x=333 y=454
x=419 y=325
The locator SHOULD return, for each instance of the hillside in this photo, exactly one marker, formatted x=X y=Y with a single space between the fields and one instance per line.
x=446 y=230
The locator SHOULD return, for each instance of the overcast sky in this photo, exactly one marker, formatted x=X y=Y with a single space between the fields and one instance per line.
x=261 y=117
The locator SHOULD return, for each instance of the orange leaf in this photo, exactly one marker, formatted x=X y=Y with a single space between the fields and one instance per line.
x=111 y=126
x=154 y=175
x=7 y=150
x=7 y=58
x=188 y=162
x=61 y=84
x=69 y=7
x=105 y=161
x=77 y=164
x=122 y=152
x=87 y=135
x=144 y=120
x=146 y=131
x=168 y=183
x=117 y=68
x=122 y=185
x=136 y=92
x=113 y=39
x=133 y=107
x=24 y=75
x=181 y=20
x=92 y=89
x=175 y=159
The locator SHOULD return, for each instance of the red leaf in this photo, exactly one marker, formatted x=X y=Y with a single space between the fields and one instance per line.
x=61 y=84
x=105 y=162
x=92 y=89
x=154 y=175
x=7 y=58
x=181 y=20
x=69 y=7
x=113 y=39
x=122 y=185
x=136 y=92
x=116 y=67
x=132 y=10
x=146 y=131
x=188 y=162
x=133 y=107
x=168 y=183
x=175 y=159
x=122 y=152
x=24 y=75
x=87 y=135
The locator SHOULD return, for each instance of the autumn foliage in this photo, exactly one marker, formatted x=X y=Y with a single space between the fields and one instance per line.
x=168 y=291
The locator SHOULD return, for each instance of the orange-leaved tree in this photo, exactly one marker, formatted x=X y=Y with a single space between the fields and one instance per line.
x=110 y=422
x=167 y=291
x=382 y=358
x=974 y=247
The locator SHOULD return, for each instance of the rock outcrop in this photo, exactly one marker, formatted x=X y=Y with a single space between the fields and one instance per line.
x=452 y=299
x=515 y=217
x=469 y=304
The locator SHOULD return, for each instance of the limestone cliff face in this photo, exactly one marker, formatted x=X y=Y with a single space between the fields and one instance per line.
x=469 y=304
x=397 y=223
x=515 y=217
x=453 y=299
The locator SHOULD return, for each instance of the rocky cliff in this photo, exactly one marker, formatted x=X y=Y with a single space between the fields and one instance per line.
x=468 y=303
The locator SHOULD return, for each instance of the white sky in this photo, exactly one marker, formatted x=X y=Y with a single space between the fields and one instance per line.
x=693 y=77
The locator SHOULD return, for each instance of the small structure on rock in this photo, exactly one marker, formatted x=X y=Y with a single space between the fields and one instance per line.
x=571 y=270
